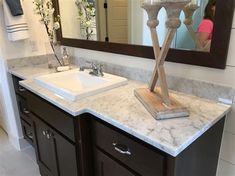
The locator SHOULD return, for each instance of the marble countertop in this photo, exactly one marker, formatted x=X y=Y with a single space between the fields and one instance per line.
x=120 y=108
x=30 y=72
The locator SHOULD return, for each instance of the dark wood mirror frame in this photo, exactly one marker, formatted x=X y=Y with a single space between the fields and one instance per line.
x=216 y=58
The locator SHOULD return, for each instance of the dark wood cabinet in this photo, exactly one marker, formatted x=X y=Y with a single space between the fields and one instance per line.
x=125 y=149
x=105 y=166
x=87 y=146
x=45 y=148
x=50 y=131
x=26 y=120
x=117 y=150
x=56 y=156
x=52 y=115
x=18 y=88
x=27 y=130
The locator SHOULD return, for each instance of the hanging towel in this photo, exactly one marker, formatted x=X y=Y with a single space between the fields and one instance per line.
x=15 y=7
x=16 y=26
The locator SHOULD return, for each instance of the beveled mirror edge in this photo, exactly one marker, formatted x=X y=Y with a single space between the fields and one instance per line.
x=216 y=58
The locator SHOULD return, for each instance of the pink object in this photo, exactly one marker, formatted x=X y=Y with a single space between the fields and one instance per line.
x=206 y=26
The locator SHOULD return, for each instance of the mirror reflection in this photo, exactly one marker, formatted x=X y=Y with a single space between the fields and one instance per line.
x=124 y=21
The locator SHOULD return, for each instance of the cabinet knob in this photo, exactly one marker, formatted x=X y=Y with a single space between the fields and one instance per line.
x=26 y=111
x=120 y=148
x=48 y=136
x=21 y=89
x=30 y=135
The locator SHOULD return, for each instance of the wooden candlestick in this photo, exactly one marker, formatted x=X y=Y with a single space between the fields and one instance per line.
x=158 y=101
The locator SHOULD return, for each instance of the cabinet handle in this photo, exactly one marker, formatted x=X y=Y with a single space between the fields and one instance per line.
x=121 y=149
x=47 y=134
x=21 y=89
x=51 y=134
x=26 y=111
x=30 y=135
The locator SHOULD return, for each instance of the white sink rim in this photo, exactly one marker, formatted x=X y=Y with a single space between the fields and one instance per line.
x=113 y=81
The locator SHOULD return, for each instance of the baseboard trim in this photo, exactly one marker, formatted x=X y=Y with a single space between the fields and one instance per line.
x=19 y=143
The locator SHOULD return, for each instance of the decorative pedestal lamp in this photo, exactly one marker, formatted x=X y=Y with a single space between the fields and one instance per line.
x=158 y=101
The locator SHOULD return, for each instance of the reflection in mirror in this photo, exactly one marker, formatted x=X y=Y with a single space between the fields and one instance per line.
x=124 y=21
x=78 y=19
x=87 y=18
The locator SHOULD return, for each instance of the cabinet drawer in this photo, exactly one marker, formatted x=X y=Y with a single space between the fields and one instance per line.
x=27 y=131
x=23 y=108
x=18 y=88
x=105 y=166
x=131 y=153
x=55 y=117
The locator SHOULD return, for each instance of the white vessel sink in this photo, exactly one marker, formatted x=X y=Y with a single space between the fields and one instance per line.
x=74 y=84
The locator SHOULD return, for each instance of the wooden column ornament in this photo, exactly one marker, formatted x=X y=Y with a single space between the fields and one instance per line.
x=189 y=11
x=158 y=101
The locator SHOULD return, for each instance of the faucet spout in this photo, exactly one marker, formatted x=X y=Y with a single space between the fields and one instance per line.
x=96 y=69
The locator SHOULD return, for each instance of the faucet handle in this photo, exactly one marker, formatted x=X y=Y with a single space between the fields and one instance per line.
x=100 y=69
x=100 y=66
x=93 y=65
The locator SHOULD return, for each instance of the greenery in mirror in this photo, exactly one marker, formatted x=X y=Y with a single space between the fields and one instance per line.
x=86 y=15
x=45 y=9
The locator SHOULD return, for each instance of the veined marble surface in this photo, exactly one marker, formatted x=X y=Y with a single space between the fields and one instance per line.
x=28 y=61
x=121 y=108
x=28 y=72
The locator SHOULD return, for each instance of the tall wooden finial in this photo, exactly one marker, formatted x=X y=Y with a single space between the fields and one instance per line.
x=159 y=103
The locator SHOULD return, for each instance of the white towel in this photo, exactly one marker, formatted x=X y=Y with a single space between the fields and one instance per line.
x=16 y=26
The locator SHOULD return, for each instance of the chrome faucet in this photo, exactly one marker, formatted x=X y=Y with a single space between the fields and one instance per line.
x=96 y=69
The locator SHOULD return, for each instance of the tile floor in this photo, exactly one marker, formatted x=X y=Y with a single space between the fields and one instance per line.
x=15 y=163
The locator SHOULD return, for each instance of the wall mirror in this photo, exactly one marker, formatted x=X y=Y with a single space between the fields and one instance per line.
x=119 y=26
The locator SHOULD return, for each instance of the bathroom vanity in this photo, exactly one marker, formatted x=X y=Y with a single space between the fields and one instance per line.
x=111 y=134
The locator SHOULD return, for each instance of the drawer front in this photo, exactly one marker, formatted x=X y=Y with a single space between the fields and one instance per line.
x=18 y=88
x=105 y=166
x=27 y=131
x=131 y=153
x=55 y=117
x=23 y=108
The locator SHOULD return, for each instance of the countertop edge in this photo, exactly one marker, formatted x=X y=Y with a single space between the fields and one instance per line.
x=15 y=73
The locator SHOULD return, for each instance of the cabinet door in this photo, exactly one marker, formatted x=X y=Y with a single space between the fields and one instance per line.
x=45 y=149
x=105 y=166
x=65 y=155
x=56 y=156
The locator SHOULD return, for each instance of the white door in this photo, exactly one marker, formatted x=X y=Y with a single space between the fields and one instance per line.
x=2 y=122
x=118 y=21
